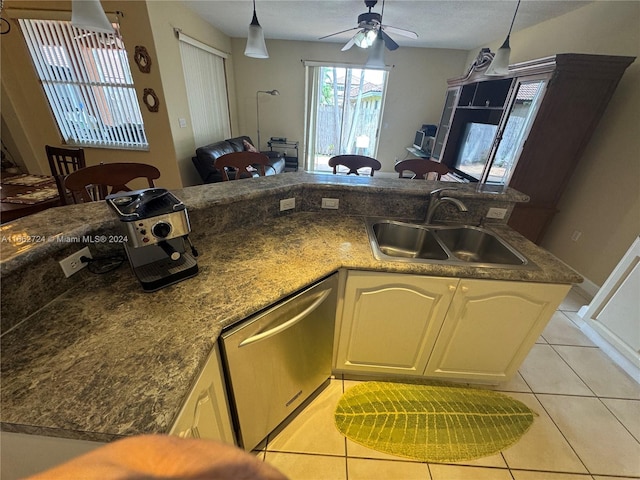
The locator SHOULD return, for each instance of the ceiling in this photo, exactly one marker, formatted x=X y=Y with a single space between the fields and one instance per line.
x=457 y=24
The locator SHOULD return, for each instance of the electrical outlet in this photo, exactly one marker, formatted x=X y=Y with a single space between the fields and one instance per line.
x=575 y=236
x=72 y=263
x=287 y=204
x=330 y=203
x=498 y=213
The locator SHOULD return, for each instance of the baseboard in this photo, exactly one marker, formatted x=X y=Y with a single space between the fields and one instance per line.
x=588 y=287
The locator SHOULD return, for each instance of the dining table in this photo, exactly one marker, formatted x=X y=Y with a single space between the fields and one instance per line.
x=25 y=194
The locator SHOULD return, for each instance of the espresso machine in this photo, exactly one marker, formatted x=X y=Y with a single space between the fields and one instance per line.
x=157 y=229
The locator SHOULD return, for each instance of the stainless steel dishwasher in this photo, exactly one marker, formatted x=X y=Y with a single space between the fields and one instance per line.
x=278 y=358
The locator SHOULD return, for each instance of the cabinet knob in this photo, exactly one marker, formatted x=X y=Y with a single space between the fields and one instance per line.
x=452 y=288
x=465 y=289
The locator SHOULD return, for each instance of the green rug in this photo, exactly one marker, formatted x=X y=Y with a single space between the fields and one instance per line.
x=431 y=423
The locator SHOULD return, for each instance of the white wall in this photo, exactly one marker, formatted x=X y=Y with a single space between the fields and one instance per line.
x=415 y=95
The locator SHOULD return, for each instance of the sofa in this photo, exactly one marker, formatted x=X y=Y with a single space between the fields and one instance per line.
x=207 y=155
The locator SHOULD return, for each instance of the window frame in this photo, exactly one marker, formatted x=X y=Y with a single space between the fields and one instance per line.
x=88 y=84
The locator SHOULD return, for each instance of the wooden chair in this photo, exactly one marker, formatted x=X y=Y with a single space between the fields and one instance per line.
x=420 y=167
x=239 y=162
x=62 y=162
x=90 y=184
x=354 y=162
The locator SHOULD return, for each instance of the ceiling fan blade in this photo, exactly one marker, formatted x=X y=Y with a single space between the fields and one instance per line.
x=388 y=41
x=400 y=31
x=349 y=44
x=338 y=33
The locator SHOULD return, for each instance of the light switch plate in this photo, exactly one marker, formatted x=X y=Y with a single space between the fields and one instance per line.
x=287 y=204
x=331 y=203
x=498 y=213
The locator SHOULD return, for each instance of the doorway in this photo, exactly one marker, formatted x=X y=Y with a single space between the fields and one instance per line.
x=345 y=113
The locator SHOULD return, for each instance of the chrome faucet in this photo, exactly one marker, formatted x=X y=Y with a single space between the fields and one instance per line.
x=435 y=200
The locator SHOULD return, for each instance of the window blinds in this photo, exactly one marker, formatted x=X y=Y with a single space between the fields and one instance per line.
x=204 y=75
x=88 y=83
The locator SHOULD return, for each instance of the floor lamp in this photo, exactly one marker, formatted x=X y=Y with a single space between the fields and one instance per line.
x=270 y=92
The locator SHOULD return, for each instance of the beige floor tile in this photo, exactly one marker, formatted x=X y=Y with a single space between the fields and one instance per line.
x=574 y=300
x=368 y=469
x=543 y=447
x=308 y=467
x=516 y=384
x=628 y=412
x=546 y=372
x=598 y=371
x=600 y=477
x=313 y=430
x=454 y=472
x=562 y=331
x=525 y=475
x=601 y=442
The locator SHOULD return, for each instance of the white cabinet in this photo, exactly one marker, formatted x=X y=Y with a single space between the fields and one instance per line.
x=470 y=330
x=205 y=413
x=490 y=328
x=390 y=322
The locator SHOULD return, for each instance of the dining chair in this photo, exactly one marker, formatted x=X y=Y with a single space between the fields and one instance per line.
x=243 y=165
x=421 y=167
x=94 y=183
x=62 y=162
x=354 y=162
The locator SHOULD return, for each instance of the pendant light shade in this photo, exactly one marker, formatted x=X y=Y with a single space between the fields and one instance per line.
x=376 y=53
x=500 y=64
x=256 y=47
x=89 y=15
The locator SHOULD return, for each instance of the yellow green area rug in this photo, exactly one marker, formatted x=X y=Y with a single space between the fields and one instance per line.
x=431 y=423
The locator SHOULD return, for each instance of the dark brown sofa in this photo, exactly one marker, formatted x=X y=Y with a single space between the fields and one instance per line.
x=207 y=155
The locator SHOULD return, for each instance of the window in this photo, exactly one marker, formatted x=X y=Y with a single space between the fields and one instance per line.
x=88 y=83
x=345 y=110
x=204 y=75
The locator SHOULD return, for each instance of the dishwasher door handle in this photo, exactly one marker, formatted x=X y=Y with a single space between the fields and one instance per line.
x=289 y=323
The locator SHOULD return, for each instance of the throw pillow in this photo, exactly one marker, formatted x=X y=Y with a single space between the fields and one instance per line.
x=248 y=147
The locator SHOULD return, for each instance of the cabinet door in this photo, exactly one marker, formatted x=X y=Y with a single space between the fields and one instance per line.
x=490 y=328
x=205 y=413
x=390 y=321
x=445 y=123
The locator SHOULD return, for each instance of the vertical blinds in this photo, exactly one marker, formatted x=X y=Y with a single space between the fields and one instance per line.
x=204 y=75
x=88 y=83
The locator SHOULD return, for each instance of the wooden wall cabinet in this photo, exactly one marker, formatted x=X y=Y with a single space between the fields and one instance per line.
x=577 y=89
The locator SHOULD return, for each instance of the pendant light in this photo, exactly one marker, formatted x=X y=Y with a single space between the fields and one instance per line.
x=500 y=64
x=376 y=53
x=89 y=15
x=256 y=47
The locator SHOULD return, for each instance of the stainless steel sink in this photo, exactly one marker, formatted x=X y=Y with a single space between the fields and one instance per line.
x=407 y=241
x=450 y=245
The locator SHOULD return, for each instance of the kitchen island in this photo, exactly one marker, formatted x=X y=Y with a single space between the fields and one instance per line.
x=95 y=358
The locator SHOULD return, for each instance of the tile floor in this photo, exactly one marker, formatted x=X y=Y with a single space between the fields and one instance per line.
x=588 y=426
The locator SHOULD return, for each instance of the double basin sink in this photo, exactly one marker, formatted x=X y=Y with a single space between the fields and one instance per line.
x=443 y=244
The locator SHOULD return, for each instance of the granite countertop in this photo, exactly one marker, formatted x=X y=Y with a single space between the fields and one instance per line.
x=105 y=360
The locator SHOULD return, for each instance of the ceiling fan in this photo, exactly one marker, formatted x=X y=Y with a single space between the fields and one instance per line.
x=369 y=25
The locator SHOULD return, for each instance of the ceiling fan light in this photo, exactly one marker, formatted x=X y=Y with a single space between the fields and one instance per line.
x=360 y=39
x=370 y=37
x=89 y=15
x=256 y=47
x=376 y=54
x=500 y=63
